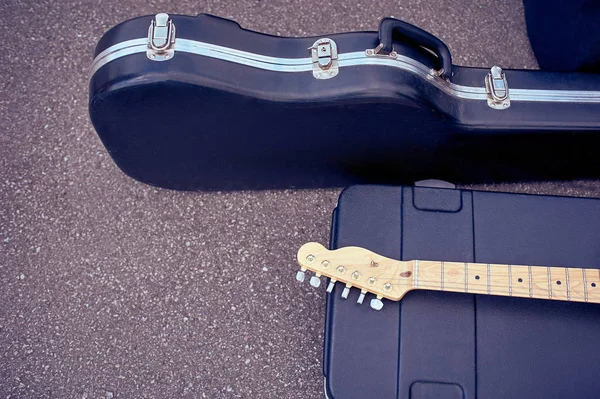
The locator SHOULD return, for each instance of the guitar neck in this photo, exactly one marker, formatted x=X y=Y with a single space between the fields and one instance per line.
x=390 y=278
x=557 y=283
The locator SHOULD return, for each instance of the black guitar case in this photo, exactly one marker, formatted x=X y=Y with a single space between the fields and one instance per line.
x=455 y=345
x=200 y=103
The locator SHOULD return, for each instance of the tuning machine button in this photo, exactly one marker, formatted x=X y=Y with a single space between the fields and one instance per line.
x=315 y=281
x=300 y=276
x=376 y=303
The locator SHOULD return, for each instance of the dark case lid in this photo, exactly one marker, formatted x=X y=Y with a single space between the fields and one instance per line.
x=451 y=345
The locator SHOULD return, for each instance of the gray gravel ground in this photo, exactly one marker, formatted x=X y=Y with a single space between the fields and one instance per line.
x=114 y=289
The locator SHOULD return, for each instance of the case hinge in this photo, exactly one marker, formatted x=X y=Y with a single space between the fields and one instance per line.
x=497 y=89
x=324 y=56
x=161 y=38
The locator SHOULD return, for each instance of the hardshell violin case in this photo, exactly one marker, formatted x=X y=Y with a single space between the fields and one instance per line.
x=200 y=103
x=455 y=345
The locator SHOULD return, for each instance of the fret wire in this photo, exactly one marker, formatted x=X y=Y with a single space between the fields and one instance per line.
x=509 y=281
x=416 y=273
x=466 y=277
x=585 y=293
x=489 y=282
x=568 y=287
x=442 y=285
x=549 y=284
x=530 y=282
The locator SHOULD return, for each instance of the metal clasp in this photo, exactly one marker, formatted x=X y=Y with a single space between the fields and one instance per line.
x=497 y=89
x=161 y=38
x=324 y=56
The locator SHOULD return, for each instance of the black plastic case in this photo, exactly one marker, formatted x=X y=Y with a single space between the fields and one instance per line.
x=451 y=345
x=236 y=109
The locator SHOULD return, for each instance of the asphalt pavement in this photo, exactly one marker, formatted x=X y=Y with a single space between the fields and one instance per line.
x=110 y=288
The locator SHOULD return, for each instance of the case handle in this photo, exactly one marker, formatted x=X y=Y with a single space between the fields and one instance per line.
x=390 y=26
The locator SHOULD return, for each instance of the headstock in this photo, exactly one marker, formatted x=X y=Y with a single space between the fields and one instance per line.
x=356 y=267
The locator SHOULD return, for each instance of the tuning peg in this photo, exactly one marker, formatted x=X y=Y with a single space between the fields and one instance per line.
x=376 y=303
x=346 y=292
x=300 y=276
x=315 y=281
x=331 y=285
x=361 y=297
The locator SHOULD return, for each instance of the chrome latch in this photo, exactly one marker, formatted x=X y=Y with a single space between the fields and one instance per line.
x=324 y=56
x=161 y=38
x=497 y=89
